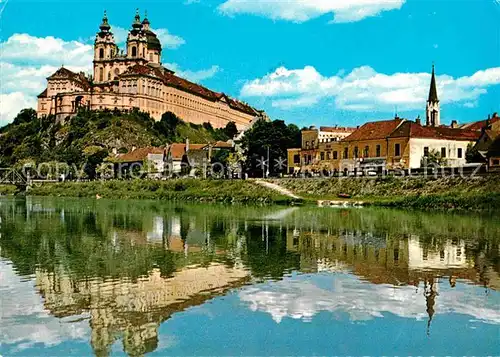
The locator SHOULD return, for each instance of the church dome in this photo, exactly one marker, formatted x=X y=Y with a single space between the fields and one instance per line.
x=152 y=40
x=105 y=27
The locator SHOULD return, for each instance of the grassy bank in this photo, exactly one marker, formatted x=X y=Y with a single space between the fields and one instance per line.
x=477 y=193
x=7 y=190
x=230 y=191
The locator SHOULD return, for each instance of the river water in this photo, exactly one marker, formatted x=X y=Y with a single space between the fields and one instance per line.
x=87 y=277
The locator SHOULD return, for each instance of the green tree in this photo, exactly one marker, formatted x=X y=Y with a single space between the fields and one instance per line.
x=434 y=158
x=472 y=154
x=231 y=130
x=25 y=116
x=94 y=157
x=275 y=136
x=167 y=126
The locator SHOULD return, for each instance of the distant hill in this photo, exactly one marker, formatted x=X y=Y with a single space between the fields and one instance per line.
x=91 y=135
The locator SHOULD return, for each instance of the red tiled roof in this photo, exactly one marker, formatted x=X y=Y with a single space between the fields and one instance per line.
x=478 y=125
x=374 y=130
x=139 y=154
x=67 y=74
x=413 y=130
x=176 y=151
x=172 y=80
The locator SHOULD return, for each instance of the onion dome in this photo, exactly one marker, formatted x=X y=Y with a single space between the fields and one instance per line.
x=105 y=25
x=146 y=21
x=137 y=25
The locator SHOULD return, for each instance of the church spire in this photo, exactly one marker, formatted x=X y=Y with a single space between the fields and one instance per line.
x=137 y=25
x=433 y=115
x=105 y=25
x=145 y=22
x=433 y=96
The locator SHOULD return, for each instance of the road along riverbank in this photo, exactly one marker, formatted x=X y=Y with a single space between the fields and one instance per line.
x=457 y=193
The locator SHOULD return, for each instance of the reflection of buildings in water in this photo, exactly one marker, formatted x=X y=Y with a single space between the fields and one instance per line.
x=134 y=309
x=388 y=260
x=384 y=259
x=155 y=234
x=450 y=255
x=175 y=226
x=167 y=232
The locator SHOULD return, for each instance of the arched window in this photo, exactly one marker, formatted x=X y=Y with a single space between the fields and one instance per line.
x=109 y=76
x=134 y=51
x=101 y=53
x=101 y=74
x=117 y=73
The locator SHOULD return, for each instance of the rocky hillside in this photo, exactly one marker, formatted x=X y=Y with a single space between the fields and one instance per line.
x=90 y=136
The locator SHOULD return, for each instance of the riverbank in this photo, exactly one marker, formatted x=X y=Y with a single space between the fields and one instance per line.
x=8 y=190
x=456 y=193
x=189 y=190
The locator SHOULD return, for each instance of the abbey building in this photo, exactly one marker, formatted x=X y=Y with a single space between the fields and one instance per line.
x=135 y=78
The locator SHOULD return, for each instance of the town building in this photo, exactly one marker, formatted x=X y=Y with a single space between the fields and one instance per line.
x=395 y=144
x=175 y=159
x=316 y=147
x=136 y=79
x=487 y=148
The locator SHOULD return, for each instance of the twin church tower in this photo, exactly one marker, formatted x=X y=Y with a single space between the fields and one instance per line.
x=143 y=47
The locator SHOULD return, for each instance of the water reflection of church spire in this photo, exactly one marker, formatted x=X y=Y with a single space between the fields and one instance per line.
x=430 y=293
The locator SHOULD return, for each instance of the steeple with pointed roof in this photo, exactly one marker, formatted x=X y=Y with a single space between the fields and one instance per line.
x=433 y=96
x=433 y=112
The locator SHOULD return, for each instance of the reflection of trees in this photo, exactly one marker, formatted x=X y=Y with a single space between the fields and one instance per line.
x=267 y=254
x=77 y=242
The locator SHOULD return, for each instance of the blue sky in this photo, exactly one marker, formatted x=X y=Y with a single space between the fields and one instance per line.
x=320 y=62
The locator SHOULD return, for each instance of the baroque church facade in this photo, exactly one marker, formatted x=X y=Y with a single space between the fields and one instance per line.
x=136 y=79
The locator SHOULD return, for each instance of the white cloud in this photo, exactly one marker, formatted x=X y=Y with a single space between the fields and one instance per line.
x=12 y=103
x=25 y=321
x=120 y=34
x=166 y=38
x=302 y=298
x=26 y=63
x=195 y=76
x=304 y=10
x=363 y=89
x=24 y=48
x=470 y=104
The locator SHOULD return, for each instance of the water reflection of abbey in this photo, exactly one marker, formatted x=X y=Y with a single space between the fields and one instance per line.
x=211 y=253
